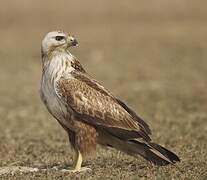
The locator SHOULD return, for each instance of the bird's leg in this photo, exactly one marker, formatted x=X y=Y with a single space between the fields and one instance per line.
x=78 y=160
x=77 y=164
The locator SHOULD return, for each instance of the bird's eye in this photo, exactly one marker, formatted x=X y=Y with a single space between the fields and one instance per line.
x=59 y=38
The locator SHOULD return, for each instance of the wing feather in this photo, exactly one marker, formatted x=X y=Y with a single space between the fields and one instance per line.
x=95 y=105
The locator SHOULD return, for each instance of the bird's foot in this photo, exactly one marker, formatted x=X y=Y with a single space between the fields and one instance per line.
x=82 y=169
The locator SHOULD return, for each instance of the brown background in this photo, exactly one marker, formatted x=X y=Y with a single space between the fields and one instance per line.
x=151 y=54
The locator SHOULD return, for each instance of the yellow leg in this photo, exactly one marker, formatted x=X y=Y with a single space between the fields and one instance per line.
x=77 y=164
x=78 y=160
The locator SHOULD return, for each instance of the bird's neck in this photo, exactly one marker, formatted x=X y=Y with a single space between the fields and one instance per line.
x=57 y=64
x=60 y=63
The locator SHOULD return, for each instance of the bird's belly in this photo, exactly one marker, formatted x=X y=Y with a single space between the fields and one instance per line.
x=53 y=104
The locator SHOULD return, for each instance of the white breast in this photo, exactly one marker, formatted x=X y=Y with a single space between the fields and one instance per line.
x=54 y=70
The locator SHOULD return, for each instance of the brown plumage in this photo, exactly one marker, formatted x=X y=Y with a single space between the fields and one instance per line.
x=87 y=111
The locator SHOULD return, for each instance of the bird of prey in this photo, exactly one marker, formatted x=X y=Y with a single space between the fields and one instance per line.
x=88 y=112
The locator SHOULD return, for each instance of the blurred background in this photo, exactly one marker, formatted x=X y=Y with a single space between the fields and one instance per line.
x=151 y=54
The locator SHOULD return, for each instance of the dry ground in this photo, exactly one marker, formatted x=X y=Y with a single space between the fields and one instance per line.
x=151 y=54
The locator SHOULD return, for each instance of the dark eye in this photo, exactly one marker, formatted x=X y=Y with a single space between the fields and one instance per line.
x=59 y=38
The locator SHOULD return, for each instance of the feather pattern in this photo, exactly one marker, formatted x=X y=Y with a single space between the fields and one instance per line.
x=90 y=113
x=96 y=106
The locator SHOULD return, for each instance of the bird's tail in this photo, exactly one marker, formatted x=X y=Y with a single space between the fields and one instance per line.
x=152 y=152
x=157 y=154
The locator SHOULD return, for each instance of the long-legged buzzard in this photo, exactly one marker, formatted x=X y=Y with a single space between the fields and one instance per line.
x=88 y=112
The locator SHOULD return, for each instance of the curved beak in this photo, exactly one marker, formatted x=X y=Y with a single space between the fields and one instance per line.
x=72 y=41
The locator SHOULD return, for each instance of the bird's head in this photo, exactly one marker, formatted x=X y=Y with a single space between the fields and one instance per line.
x=57 y=40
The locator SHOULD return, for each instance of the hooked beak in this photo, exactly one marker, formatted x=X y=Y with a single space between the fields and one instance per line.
x=72 y=41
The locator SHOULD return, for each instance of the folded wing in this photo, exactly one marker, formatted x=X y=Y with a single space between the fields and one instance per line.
x=96 y=106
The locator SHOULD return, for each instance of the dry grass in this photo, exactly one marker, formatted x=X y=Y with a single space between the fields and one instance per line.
x=152 y=55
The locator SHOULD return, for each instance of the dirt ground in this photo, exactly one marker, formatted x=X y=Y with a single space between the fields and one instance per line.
x=151 y=54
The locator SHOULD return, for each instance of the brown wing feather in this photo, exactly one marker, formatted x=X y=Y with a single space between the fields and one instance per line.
x=145 y=127
x=96 y=106
x=96 y=85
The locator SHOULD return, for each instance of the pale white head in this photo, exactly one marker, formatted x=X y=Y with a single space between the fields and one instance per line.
x=57 y=40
